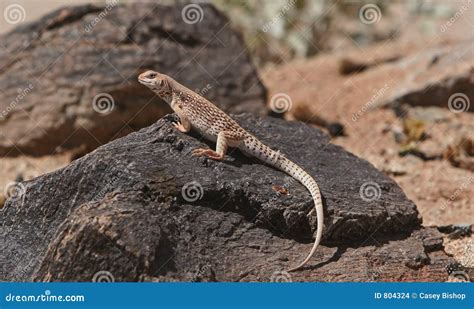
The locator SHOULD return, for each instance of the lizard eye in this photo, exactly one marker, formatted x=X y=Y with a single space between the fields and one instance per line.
x=152 y=75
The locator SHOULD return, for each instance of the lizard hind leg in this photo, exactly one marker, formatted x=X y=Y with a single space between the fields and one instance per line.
x=221 y=148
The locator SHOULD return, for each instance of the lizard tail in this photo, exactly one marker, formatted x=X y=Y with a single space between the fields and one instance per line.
x=299 y=174
x=256 y=148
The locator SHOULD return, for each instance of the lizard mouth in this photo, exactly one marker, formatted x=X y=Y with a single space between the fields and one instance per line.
x=145 y=81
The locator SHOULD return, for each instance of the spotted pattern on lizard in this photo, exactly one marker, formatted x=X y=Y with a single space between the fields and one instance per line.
x=196 y=112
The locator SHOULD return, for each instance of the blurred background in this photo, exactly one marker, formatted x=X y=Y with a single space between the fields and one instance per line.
x=390 y=81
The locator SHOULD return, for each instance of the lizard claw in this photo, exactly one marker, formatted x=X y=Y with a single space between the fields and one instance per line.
x=198 y=152
x=179 y=126
x=208 y=153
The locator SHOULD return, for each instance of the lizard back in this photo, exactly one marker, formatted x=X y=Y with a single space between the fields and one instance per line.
x=204 y=115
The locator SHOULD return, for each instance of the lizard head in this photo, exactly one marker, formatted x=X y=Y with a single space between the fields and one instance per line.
x=154 y=80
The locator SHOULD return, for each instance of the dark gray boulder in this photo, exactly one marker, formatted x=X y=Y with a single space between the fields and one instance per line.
x=54 y=71
x=141 y=208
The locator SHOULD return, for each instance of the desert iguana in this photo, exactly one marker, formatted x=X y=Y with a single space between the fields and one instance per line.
x=196 y=112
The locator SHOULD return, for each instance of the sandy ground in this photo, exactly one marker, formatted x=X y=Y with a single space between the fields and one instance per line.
x=443 y=193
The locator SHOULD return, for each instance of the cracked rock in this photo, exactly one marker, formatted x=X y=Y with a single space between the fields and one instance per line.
x=143 y=209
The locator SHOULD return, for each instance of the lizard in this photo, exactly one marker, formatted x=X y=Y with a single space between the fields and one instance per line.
x=196 y=112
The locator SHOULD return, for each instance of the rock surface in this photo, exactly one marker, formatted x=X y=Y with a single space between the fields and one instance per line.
x=51 y=71
x=441 y=77
x=141 y=208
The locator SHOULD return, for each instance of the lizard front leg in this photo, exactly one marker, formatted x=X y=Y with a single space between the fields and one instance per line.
x=183 y=124
x=221 y=148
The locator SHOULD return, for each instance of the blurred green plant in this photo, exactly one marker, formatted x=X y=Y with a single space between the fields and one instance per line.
x=277 y=31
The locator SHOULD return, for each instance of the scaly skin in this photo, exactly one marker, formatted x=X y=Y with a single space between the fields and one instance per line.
x=196 y=112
